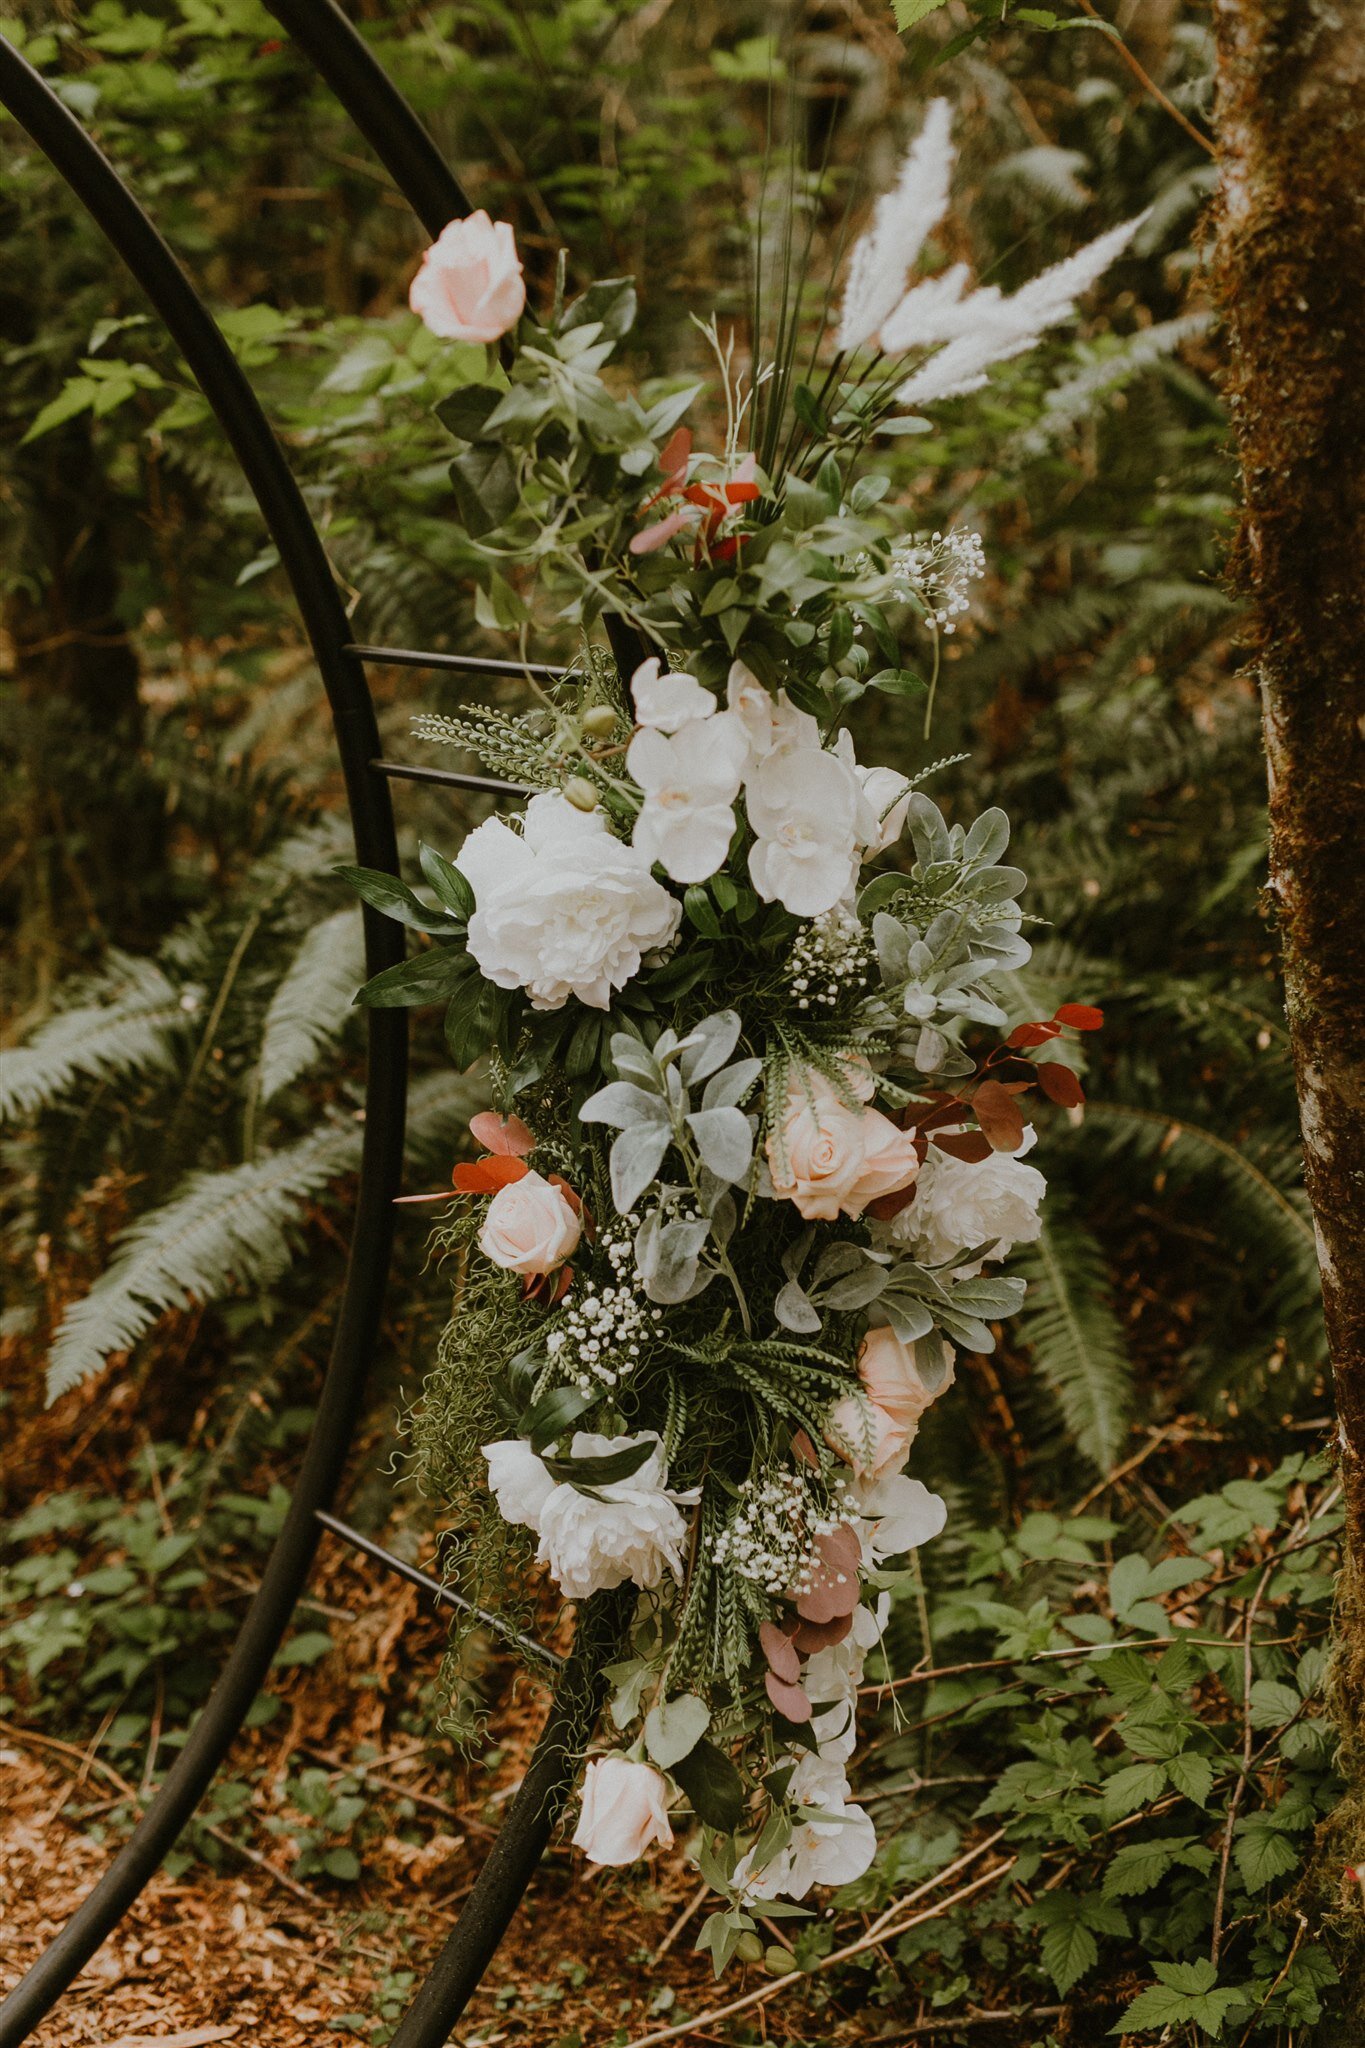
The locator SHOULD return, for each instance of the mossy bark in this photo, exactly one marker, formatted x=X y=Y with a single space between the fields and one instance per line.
x=1290 y=273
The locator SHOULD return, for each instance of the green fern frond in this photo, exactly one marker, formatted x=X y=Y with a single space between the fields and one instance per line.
x=1074 y=1337
x=229 y=1230
x=221 y=1232
x=312 y=1001
x=136 y=1029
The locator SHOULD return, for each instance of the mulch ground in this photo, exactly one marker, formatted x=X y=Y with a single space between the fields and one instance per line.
x=235 y=1956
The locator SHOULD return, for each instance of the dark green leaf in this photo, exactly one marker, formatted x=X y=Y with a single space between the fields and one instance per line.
x=485 y=484
x=429 y=978
x=710 y=1781
x=449 y=884
x=385 y=892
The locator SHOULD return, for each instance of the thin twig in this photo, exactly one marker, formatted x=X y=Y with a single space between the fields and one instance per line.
x=1236 y=1799
x=877 y=1933
x=1148 y=83
x=698 y=1899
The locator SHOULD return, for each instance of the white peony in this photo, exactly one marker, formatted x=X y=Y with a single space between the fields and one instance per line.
x=804 y=806
x=690 y=781
x=563 y=908
x=518 y=1481
x=628 y=1529
x=957 y=1204
x=666 y=702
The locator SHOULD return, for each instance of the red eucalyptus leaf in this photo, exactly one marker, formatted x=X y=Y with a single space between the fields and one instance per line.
x=486 y=1176
x=971 y=1146
x=1033 y=1034
x=998 y=1114
x=887 y=1206
x=805 y=1450
x=780 y=1651
x=1080 y=1016
x=1060 y=1085
x=507 y=1136
x=789 y=1700
x=821 y=1635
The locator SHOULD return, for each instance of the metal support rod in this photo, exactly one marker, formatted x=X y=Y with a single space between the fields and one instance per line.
x=603 y=1627
x=416 y=1577
x=450 y=778
x=341 y=56
x=462 y=664
x=114 y=209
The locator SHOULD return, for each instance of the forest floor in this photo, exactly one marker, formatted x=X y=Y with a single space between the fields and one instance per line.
x=244 y=1949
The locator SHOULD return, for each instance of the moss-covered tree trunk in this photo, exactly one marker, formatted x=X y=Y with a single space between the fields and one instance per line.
x=1291 y=277
x=1291 y=274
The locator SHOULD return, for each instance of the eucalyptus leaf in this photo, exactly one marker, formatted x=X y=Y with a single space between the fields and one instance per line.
x=673 y=1728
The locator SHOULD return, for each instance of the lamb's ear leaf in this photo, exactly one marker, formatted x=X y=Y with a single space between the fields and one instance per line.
x=428 y=978
x=636 y=1157
x=710 y=1781
x=385 y=892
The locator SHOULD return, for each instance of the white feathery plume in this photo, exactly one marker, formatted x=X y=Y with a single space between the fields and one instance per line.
x=931 y=311
x=905 y=215
x=986 y=328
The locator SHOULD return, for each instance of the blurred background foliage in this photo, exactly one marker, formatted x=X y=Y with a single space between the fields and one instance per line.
x=181 y=1092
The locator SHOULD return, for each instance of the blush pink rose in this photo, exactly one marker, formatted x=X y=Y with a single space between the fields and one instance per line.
x=831 y=1158
x=531 y=1227
x=874 y=1431
x=625 y=1811
x=470 y=286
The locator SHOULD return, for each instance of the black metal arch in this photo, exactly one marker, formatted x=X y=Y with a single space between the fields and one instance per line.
x=402 y=144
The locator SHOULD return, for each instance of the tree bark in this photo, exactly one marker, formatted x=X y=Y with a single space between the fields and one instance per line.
x=1290 y=273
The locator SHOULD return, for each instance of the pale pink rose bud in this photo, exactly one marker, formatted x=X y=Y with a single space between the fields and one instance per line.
x=875 y=1433
x=531 y=1227
x=470 y=286
x=625 y=1811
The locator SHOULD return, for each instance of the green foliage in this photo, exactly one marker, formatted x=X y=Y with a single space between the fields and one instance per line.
x=1148 y=1733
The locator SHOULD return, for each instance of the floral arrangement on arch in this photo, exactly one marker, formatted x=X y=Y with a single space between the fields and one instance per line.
x=759 y=1125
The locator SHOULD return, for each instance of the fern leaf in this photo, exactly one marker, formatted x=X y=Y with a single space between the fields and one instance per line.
x=222 y=1231
x=1074 y=1336
x=136 y=1030
x=312 y=1001
x=229 y=1230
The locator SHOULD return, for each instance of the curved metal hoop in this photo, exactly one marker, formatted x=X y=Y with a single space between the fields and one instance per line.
x=131 y=233
x=403 y=146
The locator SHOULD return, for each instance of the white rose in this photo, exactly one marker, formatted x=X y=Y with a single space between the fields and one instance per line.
x=993 y=1202
x=562 y=908
x=804 y=806
x=888 y=797
x=530 y=1227
x=669 y=701
x=690 y=781
x=629 y=1529
x=518 y=1481
x=624 y=1811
